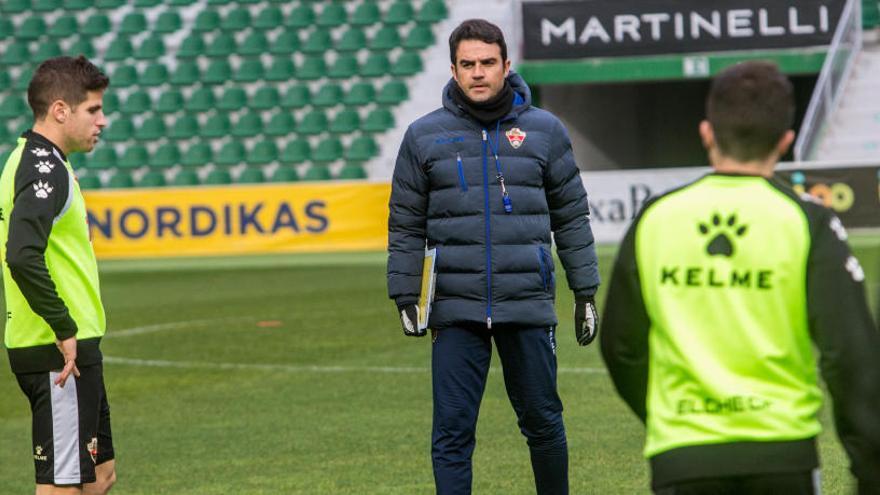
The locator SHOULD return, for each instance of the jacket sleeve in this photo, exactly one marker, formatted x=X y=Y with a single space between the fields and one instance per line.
x=41 y=193
x=406 y=224
x=625 y=325
x=849 y=344
x=570 y=215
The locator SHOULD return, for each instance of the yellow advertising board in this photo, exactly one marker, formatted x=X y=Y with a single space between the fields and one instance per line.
x=228 y=220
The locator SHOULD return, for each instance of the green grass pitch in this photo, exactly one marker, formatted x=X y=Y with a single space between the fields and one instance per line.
x=290 y=374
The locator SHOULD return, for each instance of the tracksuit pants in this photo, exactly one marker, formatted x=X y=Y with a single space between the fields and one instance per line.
x=460 y=365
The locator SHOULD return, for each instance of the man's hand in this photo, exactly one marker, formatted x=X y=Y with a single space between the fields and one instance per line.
x=586 y=320
x=68 y=350
x=409 y=319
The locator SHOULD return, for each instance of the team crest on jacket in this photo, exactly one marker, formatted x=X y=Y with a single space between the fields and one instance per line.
x=516 y=137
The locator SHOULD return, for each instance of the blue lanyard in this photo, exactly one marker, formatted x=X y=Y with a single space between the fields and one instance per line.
x=505 y=198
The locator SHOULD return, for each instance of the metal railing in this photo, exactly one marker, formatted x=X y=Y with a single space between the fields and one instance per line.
x=836 y=70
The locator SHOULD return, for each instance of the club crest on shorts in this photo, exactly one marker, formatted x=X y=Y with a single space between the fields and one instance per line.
x=92 y=447
x=516 y=137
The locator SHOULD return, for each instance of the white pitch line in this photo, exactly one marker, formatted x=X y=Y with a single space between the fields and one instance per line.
x=157 y=363
x=174 y=325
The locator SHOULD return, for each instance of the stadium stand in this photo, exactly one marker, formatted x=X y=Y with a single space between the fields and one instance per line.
x=225 y=91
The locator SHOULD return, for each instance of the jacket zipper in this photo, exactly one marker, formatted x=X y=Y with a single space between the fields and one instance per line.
x=488 y=231
x=461 y=180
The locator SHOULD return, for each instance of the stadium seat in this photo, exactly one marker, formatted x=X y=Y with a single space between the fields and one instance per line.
x=251 y=175
x=296 y=151
x=77 y=161
x=269 y=18
x=352 y=40
x=119 y=49
x=151 y=48
x=313 y=68
x=318 y=42
x=328 y=150
x=219 y=2
x=201 y=100
x=400 y=12
x=111 y=102
x=250 y=70
x=376 y=65
x=218 y=72
x=5 y=82
x=147 y=3
x=345 y=122
x=296 y=97
x=24 y=80
x=392 y=93
x=281 y=70
x=234 y=98
x=352 y=171
x=432 y=11
x=419 y=37
x=134 y=157
x=254 y=45
x=379 y=120
x=300 y=17
x=89 y=182
x=366 y=14
x=179 y=3
x=222 y=46
x=17 y=53
x=137 y=103
x=314 y=122
x=96 y=25
x=317 y=172
x=345 y=67
x=386 y=38
x=191 y=47
x=328 y=96
x=64 y=26
x=152 y=178
x=236 y=19
x=15 y=6
x=151 y=129
x=109 y=4
x=47 y=49
x=216 y=126
x=168 y=22
x=266 y=98
x=78 y=4
x=407 y=64
x=120 y=129
x=218 y=177
x=120 y=180
x=248 y=125
x=31 y=29
x=263 y=153
x=281 y=124
x=154 y=75
x=362 y=149
x=332 y=15
x=186 y=73
x=133 y=23
x=7 y=29
x=286 y=43
x=284 y=174
x=185 y=177
x=185 y=127
x=207 y=20
x=360 y=94
x=82 y=46
x=232 y=153
x=124 y=76
x=165 y=156
x=102 y=158
x=197 y=155
x=46 y=5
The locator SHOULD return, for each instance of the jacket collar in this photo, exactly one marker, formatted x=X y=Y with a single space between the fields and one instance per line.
x=522 y=99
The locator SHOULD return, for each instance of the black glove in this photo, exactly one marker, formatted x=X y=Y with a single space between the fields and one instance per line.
x=409 y=319
x=586 y=320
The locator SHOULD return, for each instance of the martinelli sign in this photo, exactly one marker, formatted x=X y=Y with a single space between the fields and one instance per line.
x=602 y=28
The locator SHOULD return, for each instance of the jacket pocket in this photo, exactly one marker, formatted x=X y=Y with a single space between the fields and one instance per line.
x=461 y=182
x=545 y=267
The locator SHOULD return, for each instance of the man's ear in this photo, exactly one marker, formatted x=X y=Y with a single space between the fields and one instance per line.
x=506 y=68
x=454 y=73
x=707 y=134
x=785 y=142
x=59 y=111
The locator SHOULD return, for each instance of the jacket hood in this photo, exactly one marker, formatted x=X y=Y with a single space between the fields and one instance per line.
x=521 y=101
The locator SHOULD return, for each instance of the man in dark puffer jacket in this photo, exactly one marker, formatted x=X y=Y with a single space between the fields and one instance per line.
x=485 y=180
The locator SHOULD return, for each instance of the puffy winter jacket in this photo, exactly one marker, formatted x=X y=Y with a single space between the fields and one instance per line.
x=494 y=263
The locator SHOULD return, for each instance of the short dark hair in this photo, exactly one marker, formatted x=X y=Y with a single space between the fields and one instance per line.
x=63 y=78
x=477 y=29
x=750 y=107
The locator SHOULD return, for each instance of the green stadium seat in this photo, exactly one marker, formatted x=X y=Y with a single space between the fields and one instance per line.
x=301 y=17
x=96 y=25
x=376 y=65
x=318 y=42
x=269 y=18
x=151 y=129
x=24 y=80
x=266 y=98
x=15 y=6
x=360 y=94
x=47 y=49
x=218 y=177
x=201 y=100
x=232 y=153
x=120 y=129
x=168 y=22
x=103 y=158
x=124 y=76
x=166 y=156
x=250 y=70
x=379 y=120
x=386 y=38
x=222 y=46
x=345 y=122
x=5 y=82
x=185 y=178
x=352 y=40
x=31 y=29
x=236 y=19
x=392 y=93
x=137 y=103
x=284 y=174
x=46 y=5
x=234 y=98
x=296 y=97
x=7 y=29
x=218 y=72
x=151 y=48
x=328 y=96
x=109 y=4
x=133 y=23
x=362 y=149
x=352 y=171
x=407 y=64
x=251 y=175
x=64 y=26
x=313 y=68
x=254 y=45
x=328 y=150
x=17 y=53
x=332 y=15
x=78 y=4
x=111 y=102
x=119 y=49
x=197 y=155
x=314 y=122
x=89 y=182
x=82 y=46
x=281 y=70
x=153 y=178
x=207 y=20
x=185 y=127
x=185 y=74
x=134 y=157
x=77 y=161
x=120 y=180
x=147 y=3
x=345 y=67
x=419 y=37
x=280 y=124
x=400 y=12
x=154 y=75
x=317 y=172
x=263 y=153
x=191 y=47
x=366 y=14
x=286 y=43
x=432 y=11
x=179 y=3
x=296 y=151
x=248 y=125
x=219 y=2
x=216 y=126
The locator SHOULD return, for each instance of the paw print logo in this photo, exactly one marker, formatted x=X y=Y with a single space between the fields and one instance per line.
x=42 y=189
x=722 y=232
x=40 y=152
x=44 y=167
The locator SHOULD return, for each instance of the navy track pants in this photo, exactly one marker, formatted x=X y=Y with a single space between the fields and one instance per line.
x=460 y=365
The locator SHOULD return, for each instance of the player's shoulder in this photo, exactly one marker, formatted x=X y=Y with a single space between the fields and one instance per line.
x=40 y=159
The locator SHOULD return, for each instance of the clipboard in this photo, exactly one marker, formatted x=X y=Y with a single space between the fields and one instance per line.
x=426 y=296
